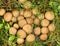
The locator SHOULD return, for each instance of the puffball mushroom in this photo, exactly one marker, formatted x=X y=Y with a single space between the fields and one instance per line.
x=33 y=16
x=37 y=31
x=16 y=26
x=15 y=13
x=21 y=1
x=22 y=22
x=49 y=15
x=35 y=10
x=27 y=13
x=30 y=38
x=43 y=37
x=27 y=5
x=12 y=31
x=45 y=22
x=2 y=12
x=22 y=33
x=44 y=30
x=29 y=20
x=22 y=12
x=41 y=16
x=51 y=27
x=20 y=18
x=14 y=19
x=20 y=41
x=8 y=16
x=36 y=21
x=27 y=28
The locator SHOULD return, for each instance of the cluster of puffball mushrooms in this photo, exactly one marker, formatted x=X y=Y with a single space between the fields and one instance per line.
x=23 y=20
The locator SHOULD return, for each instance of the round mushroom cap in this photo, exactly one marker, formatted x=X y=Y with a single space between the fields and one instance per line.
x=21 y=33
x=35 y=10
x=29 y=20
x=27 y=28
x=15 y=13
x=21 y=1
x=52 y=27
x=49 y=15
x=8 y=16
x=12 y=31
x=43 y=37
x=14 y=19
x=37 y=31
x=44 y=30
x=36 y=21
x=16 y=26
x=41 y=16
x=20 y=18
x=30 y=38
x=22 y=22
x=27 y=13
x=20 y=41
x=27 y=5
x=21 y=12
x=45 y=22
x=2 y=12
x=33 y=16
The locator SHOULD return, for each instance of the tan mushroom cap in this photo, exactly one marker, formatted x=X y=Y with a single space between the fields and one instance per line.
x=44 y=30
x=43 y=37
x=37 y=31
x=2 y=12
x=12 y=31
x=27 y=4
x=27 y=13
x=29 y=20
x=20 y=18
x=30 y=38
x=16 y=26
x=22 y=22
x=33 y=16
x=45 y=22
x=21 y=1
x=20 y=41
x=27 y=28
x=35 y=10
x=15 y=13
x=21 y=33
x=36 y=21
x=41 y=16
x=22 y=12
x=14 y=19
x=8 y=16
x=49 y=15
x=52 y=27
